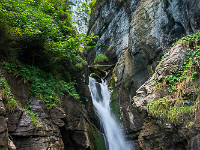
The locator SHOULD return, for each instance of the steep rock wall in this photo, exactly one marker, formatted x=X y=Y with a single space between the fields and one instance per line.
x=134 y=34
x=159 y=133
x=63 y=127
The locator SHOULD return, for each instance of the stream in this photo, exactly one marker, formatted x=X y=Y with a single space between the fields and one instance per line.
x=115 y=139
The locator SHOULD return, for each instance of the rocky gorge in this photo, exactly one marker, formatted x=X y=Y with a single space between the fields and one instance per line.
x=134 y=35
x=137 y=38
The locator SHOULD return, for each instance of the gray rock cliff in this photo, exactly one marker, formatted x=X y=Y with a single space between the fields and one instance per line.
x=134 y=34
x=66 y=126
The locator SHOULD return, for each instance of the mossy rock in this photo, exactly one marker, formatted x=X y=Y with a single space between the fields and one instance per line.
x=96 y=76
x=97 y=73
x=115 y=109
x=99 y=143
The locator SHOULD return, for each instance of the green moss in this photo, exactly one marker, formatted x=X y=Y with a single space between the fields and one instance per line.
x=114 y=91
x=151 y=68
x=111 y=47
x=114 y=95
x=97 y=72
x=99 y=143
x=11 y=104
x=32 y=115
x=112 y=82
x=95 y=76
x=114 y=104
x=115 y=109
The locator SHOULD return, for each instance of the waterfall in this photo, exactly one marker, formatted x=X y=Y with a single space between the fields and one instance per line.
x=115 y=139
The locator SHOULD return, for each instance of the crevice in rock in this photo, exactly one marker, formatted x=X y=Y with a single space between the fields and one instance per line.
x=69 y=142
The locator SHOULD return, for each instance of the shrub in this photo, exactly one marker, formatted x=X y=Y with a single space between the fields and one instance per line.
x=43 y=85
x=100 y=58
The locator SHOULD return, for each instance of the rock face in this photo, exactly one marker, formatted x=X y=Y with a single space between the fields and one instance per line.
x=159 y=134
x=3 y=127
x=134 y=34
x=171 y=63
x=64 y=127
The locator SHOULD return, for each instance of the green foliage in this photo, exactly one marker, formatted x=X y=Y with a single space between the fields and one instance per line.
x=5 y=89
x=41 y=32
x=164 y=110
x=183 y=87
x=84 y=8
x=11 y=104
x=32 y=115
x=110 y=48
x=193 y=57
x=43 y=85
x=193 y=42
x=89 y=6
x=100 y=58
x=6 y=93
x=92 y=5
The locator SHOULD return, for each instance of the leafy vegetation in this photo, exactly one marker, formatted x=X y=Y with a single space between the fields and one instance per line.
x=6 y=93
x=32 y=115
x=43 y=85
x=41 y=32
x=88 y=7
x=100 y=58
x=39 y=43
x=11 y=103
x=163 y=109
x=183 y=88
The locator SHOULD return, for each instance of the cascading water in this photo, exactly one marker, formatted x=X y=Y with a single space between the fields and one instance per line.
x=113 y=133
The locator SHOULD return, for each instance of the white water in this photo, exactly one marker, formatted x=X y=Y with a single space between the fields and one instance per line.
x=113 y=132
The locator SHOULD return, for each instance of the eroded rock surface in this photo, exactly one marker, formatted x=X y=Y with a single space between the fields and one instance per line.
x=3 y=127
x=157 y=133
x=171 y=63
x=63 y=127
x=134 y=34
